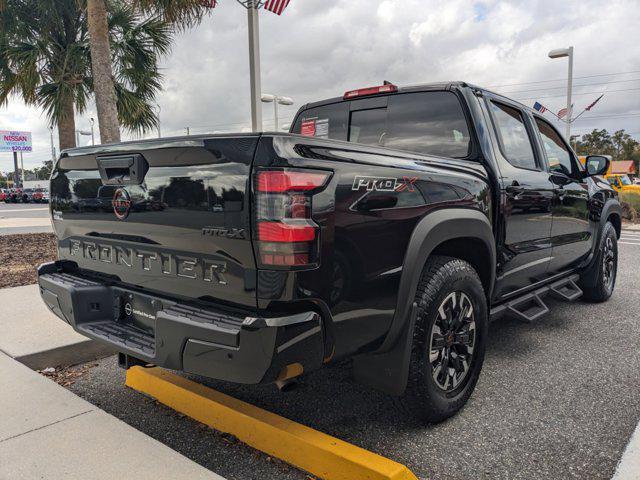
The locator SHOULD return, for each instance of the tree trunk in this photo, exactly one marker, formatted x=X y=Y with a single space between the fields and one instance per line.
x=67 y=127
x=103 y=84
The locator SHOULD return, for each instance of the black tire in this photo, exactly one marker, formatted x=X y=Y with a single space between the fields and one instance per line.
x=598 y=282
x=429 y=397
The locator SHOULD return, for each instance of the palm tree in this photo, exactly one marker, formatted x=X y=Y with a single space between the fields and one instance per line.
x=103 y=81
x=45 y=58
x=181 y=14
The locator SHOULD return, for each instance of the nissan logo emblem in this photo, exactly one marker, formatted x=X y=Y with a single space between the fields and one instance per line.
x=121 y=203
x=128 y=309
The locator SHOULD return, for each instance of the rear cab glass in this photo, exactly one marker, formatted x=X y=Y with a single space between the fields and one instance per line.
x=431 y=123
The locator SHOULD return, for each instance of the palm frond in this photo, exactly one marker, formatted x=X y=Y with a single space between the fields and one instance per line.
x=135 y=113
x=45 y=56
x=181 y=14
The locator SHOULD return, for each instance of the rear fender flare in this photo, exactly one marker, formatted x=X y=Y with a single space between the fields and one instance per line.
x=431 y=231
x=387 y=368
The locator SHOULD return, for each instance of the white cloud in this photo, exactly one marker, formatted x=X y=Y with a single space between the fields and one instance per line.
x=321 y=48
x=386 y=10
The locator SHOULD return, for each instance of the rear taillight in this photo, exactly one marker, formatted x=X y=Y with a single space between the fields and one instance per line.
x=285 y=233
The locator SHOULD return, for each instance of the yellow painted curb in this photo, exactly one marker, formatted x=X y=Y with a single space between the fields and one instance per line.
x=317 y=453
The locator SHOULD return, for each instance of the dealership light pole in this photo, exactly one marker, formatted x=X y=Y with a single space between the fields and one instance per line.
x=560 y=53
x=93 y=138
x=81 y=132
x=53 y=148
x=252 y=7
x=277 y=100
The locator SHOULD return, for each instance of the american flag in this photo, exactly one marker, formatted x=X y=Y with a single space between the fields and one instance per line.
x=562 y=112
x=276 y=6
x=539 y=107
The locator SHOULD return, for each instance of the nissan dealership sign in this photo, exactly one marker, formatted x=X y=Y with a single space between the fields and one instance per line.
x=13 y=141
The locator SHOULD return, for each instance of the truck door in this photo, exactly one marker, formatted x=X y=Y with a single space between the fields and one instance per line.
x=571 y=230
x=526 y=196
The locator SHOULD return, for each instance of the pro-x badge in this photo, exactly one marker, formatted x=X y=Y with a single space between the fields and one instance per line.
x=384 y=184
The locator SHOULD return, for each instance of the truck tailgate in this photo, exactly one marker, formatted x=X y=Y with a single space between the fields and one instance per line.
x=170 y=216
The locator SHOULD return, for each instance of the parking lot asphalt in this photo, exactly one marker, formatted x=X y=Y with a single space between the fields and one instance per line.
x=558 y=398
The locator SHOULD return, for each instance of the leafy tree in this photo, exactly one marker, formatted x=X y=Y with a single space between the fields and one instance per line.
x=624 y=145
x=596 y=142
x=43 y=172
x=45 y=58
x=181 y=14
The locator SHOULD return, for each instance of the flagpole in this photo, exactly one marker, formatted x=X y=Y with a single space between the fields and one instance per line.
x=254 y=65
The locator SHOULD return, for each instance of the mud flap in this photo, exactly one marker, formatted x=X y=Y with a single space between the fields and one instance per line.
x=388 y=371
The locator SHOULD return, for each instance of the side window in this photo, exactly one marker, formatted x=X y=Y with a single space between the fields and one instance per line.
x=514 y=139
x=428 y=122
x=327 y=121
x=558 y=154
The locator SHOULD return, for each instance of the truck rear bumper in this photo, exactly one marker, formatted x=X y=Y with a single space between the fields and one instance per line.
x=206 y=341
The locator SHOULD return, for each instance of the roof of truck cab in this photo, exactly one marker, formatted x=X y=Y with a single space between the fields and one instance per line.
x=423 y=87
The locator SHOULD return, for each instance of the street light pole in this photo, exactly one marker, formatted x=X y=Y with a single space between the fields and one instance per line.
x=268 y=98
x=569 y=92
x=93 y=138
x=559 y=53
x=254 y=64
x=53 y=148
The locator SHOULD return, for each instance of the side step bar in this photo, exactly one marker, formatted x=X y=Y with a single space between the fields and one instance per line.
x=530 y=306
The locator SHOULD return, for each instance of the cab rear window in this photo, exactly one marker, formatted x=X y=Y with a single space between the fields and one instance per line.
x=432 y=123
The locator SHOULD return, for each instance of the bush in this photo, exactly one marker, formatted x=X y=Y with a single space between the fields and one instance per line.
x=630 y=202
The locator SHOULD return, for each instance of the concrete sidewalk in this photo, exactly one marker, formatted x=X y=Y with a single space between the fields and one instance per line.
x=47 y=432
x=36 y=337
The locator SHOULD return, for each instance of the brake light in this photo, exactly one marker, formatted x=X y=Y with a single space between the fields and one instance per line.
x=289 y=181
x=363 y=92
x=283 y=232
x=286 y=235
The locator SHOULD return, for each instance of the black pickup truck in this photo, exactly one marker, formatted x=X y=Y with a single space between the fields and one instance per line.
x=388 y=227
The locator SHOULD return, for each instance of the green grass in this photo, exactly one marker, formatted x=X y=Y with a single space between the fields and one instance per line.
x=630 y=205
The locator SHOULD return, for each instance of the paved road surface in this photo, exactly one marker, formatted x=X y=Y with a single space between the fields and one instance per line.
x=559 y=398
x=24 y=218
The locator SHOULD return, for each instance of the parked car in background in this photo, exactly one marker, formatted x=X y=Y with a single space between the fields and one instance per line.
x=14 y=196
x=27 y=195
x=40 y=195
x=622 y=183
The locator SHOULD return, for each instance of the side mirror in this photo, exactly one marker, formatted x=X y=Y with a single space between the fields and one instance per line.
x=597 y=165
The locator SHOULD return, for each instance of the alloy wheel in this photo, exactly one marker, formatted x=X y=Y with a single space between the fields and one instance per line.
x=608 y=263
x=453 y=338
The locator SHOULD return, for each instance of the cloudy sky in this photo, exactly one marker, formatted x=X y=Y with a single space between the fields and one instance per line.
x=321 y=48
